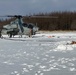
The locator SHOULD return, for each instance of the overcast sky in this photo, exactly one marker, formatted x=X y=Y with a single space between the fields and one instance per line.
x=24 y=7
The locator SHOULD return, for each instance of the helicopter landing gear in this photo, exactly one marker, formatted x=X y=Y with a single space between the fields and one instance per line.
x=31 y=33
x=10 y=35
x=13 y=33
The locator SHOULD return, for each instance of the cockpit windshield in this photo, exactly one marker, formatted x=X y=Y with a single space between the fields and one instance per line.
x=25 y=24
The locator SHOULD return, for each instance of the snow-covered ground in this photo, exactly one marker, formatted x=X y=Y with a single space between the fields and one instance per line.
x=41 y=54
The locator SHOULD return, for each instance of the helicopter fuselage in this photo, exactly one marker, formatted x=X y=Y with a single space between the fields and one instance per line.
x=18 y=27
x=14 y=29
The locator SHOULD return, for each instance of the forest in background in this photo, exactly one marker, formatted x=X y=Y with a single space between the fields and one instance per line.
x=63 y=21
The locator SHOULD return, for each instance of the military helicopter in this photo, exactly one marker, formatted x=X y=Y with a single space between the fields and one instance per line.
x=18 y=27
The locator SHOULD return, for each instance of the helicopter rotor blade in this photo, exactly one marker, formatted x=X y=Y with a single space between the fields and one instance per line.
x=3 y=16
x=20 y=16
x=43 y=17
x=12 y=16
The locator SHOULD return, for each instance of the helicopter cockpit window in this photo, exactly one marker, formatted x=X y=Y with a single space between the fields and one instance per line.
x=30 y=26
x=25 y=24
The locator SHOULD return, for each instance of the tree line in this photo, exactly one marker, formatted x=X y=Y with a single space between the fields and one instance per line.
x=56 y=20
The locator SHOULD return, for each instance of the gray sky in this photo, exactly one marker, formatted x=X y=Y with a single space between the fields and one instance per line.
x=24 y=7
